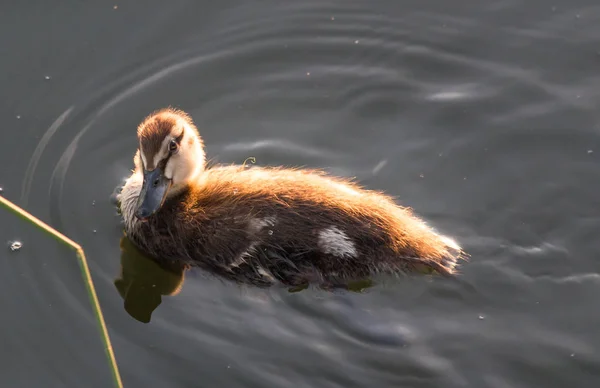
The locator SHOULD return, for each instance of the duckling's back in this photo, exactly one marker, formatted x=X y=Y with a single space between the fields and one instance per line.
x=294 y=226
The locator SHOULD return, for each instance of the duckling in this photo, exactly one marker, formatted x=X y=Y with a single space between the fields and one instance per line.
x=266 y=225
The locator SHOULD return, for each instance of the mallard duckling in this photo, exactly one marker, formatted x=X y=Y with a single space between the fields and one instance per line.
x=266 y=224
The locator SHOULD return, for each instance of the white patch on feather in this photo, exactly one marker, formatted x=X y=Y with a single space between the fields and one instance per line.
x=335 y=242
x=262 y=272
x=257 y=224
x=241 y=259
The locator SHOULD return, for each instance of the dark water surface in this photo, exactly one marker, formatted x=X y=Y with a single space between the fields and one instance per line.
x=482 y=115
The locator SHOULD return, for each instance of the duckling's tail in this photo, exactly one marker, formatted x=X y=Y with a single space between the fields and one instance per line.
x=448 y=264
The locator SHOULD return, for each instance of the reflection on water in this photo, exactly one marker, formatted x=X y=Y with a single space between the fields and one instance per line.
x=143 y=282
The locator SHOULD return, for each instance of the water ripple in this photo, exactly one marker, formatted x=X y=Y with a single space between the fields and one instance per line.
x=343 y=77
x=274 y=144
x=35 y=158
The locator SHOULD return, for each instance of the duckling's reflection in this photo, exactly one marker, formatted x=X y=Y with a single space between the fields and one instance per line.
x=143 y=281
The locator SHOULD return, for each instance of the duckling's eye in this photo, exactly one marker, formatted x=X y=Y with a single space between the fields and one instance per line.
x=173 y=146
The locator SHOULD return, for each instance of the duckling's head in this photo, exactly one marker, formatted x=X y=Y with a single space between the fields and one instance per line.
x=170 y=155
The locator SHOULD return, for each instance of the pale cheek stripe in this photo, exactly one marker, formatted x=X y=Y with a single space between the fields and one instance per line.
x=143 y=159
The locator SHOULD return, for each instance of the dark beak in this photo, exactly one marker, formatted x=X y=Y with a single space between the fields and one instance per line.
x=153 y=194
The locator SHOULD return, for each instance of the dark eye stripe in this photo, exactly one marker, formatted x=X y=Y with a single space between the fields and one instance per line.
x=163 y=163
x=179 y=138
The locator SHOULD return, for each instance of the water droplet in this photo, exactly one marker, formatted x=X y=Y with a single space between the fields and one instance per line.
x=308 y=74
x=15 y=246
x=94 y=230
x=115 y=7
x=333 y=18
x=481 y=317
x=590 y=151
x=270 y=232
x=422 y=176
x=18 y=117
x=572 y=354
x=228 y=366
x=47 y=77
x=93 y=203
x=1 y=190
x=356 y=41
x=154 y=286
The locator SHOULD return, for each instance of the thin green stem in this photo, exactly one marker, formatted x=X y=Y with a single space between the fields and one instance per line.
x=86 y=274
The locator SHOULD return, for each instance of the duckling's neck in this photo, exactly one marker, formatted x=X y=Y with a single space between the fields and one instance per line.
x=192 y=180
x=189 y=166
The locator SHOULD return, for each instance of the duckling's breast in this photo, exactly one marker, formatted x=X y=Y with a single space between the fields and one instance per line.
x=127 y=201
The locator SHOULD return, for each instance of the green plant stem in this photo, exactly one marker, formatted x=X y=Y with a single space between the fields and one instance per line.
x=86 y=274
